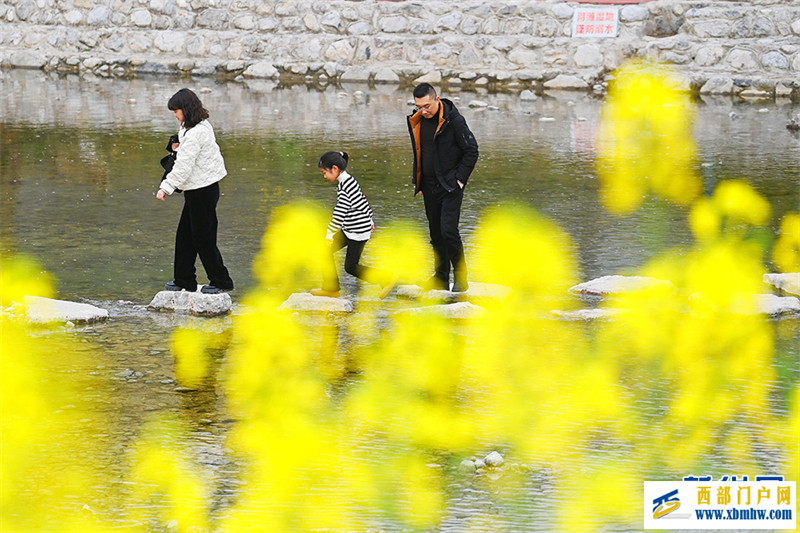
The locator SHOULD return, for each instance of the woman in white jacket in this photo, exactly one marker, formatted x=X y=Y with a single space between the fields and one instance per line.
x=197 y=171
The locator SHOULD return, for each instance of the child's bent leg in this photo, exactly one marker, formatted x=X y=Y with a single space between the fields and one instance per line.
x=330 y=278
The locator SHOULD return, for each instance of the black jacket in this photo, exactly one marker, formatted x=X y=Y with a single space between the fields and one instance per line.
x=456 y=147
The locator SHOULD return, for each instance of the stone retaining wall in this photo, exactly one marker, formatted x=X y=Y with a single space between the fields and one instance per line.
x=719 y=47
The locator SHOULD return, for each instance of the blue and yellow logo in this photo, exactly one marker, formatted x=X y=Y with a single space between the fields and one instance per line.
x=665 y=504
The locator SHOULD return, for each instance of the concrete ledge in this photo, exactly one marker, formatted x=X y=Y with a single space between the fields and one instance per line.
x=458 y=310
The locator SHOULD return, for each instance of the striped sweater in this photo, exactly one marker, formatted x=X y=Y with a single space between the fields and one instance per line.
x=352 y=213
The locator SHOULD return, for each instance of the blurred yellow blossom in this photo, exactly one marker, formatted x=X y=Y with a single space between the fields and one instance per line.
x=645 y=141
x=786 y=252
x=740 y=202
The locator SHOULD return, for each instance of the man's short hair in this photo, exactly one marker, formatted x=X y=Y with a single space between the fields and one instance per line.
x=424 y=89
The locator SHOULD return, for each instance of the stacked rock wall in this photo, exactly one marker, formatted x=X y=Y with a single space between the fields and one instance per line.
x=721 y=46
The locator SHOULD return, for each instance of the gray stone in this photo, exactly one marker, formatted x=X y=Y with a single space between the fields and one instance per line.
x=170 y=41
x=73 y=17
x=494 y=459
x=386 y=75
x=633 y=13
x=261 y=69
x=788 y=283
x=141 y=18
x=359 y=28
x=458 y=310
x=195 y=303
x=796 y=27
x=783 y=90
x=448 y=22
x=478 y=103
x=357 y=74
x=331 y=19
x=244 y=22
x=98 y=16
x=742 y=59
x=340 y=51
x=527 y=96
x=617 y=284
x=432 y=77
x=716 y=29
x=566 y=81
x=588 y=55
x=717 y=85
x=212 y=18
x=303 y=301
x=40 y=310
x=25 y=9
x=775 y=60
x=26 y=59
x=394 y=24
x=563 y=11
x=466 y=466
x=796 y=63
x=709 y=55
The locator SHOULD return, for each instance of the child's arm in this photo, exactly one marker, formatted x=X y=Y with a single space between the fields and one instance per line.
x=339 y=212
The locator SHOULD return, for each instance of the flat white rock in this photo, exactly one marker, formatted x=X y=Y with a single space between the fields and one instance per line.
x=616 y=285
x=460 y=310
x=304 y=301
x=476 y=290
x=45 y=310
x=778 y=305
x=788 y=283
x=195 y=303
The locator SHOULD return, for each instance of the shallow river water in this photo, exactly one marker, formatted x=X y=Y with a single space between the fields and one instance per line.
x=79 y=163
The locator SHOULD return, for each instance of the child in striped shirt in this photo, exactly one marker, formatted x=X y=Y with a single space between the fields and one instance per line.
x=351 y=226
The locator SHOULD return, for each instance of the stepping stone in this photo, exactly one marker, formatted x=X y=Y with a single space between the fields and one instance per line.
x=458 y=310
x=788 y=283
x=40 y=310
x=304 y=301
x=773 y=305
x=476 y=290
x=616 y=285
x=195 y=303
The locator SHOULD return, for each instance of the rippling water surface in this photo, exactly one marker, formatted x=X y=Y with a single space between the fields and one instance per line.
x=80 y=162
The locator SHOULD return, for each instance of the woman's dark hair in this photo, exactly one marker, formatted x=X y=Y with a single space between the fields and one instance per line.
x=188 y=102
x=331 y=159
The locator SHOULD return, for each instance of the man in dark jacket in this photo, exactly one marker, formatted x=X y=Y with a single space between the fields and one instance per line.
x=445 y=152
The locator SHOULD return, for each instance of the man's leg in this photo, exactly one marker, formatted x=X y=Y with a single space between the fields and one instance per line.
x=451 y=213
x=433 y=210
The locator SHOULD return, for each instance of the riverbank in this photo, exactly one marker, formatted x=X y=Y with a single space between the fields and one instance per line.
x=749 y=49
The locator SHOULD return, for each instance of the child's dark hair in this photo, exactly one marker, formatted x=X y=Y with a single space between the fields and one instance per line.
x=331 y=159
x=188 y=102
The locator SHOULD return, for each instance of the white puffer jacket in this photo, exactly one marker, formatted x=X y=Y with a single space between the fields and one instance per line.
x=199 y=162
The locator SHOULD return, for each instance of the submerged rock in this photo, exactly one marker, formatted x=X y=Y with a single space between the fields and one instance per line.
x=788 y=283
x=586 y=314
x=40 y=310
x=458 y=310
x=303 y=301
x=494 y=459
x=476 y=290
x=196 y=303
x=616 y=285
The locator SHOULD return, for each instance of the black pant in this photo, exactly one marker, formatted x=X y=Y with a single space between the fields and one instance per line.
x=330 y=279
x=443 y=210
x=197 y=235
